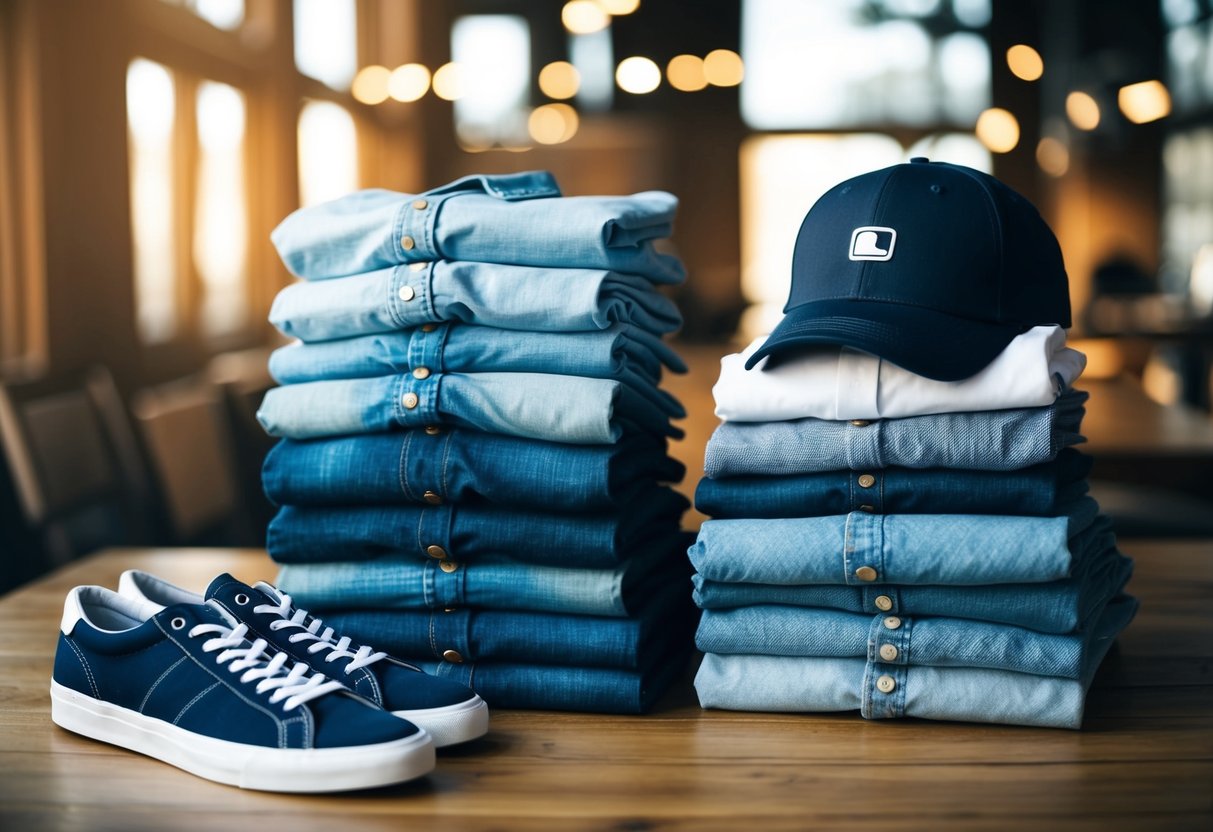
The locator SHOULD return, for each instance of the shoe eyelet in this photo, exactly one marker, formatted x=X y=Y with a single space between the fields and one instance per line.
x=177 y=623
x=241 y=599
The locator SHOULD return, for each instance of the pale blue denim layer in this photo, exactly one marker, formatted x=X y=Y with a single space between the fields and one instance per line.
x=429 y=467
x=506 y=297
x=410 y=584
x=993 y=440
x=517 y=218
x=789 y=684
x=1050 y=607
x=650 y=522
x=919 y=549
x=589 y=411
x=632 y=643
x=621 y=352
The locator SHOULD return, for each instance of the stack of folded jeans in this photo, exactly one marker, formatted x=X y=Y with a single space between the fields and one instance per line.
x=903 y=546
x=473 y=471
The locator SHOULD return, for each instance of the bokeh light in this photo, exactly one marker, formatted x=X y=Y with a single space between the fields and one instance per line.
x=553 y=123
x=1144 y=102
x=559 y=79
x=408 y=82
x=723 y=68
x=685 y=72
x=584 y=17
x=1025 y=62
x=370 y=84
x=998 y=130
x=448 y=82
x=637 y=75
x=1082 y=110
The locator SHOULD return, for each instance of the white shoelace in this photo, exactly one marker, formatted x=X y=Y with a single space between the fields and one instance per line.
x=295 y=685
x=325 y=639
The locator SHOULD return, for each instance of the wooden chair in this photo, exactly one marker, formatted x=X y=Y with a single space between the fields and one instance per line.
x=75 y=467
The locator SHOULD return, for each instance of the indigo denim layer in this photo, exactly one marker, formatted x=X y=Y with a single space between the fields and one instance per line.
x=515 y=218
x=534 y=405
x=1051 y=607
x=622 y=353
x=887 y=691
x=1036 y=491
x=457 y=533
x=919 y=549
x=994 y=440
x=408 y=584
x=506 y=297
x=435 y=466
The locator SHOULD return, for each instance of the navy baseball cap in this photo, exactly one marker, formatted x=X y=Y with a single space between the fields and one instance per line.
x=932 y=266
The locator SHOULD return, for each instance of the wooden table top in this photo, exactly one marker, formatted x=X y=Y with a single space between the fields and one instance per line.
x=1143 y=761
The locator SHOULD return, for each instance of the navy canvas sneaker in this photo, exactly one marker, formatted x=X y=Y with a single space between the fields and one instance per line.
x=450 y=711
x=182 y=684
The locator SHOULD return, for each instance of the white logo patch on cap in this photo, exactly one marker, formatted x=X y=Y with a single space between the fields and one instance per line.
x=872 y=242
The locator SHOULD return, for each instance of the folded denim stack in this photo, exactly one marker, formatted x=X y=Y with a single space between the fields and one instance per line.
x=473 y=467
x=909 y=538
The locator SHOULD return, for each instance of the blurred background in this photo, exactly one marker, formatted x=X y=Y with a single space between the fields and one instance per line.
x=148 y=147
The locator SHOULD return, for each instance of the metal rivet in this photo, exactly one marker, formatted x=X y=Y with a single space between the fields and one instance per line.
x=448 y=566
x=421 y=373
x=892 y=622
x=866 y=480
x=432 y=497
x=883 y=602
x=436 y=552
x=865 y=573
x=409 y=400
x=452 y=656
x=407 y=243
x=860 y=423
x=888 y=652
x=406 y=293
x=869 y=509
x=449 y=609
x=177 y=623
x=241 y=599
x=420 y=204
x=428 y=327
x=432 y=430
x=886 y=684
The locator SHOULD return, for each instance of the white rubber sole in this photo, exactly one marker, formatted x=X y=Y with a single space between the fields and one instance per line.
x=454 y=723
x=237 y=764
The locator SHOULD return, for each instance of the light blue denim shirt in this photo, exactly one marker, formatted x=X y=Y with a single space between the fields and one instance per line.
x=517 y=218
x=507 y=297
x=860 y=548
x=879 y=690
x=622 y=352
x=535 y=405
x=1050 y=607
x=992 y=440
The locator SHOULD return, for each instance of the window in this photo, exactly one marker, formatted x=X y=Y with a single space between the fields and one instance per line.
x=222 y=14
x=328 y=152
x=493 y=53
x=326 y=41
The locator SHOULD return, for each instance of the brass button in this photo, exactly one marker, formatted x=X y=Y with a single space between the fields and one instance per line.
x=433 y=498
x=452 y=656
x=435 y=551
x=888 y=652
x=860 y=423
x=865 y=573
x=420 y=204
x=407 y=243
x=892 y=622
x=428 y=327
x=886 y=684
x=421 y=373
x=883 y=602
x=866 y=480
x=869 y=509
x=448 y=566
x=406 y=293
x=432 y=430
x=409 y=400
x=416 y=267
x=449 y=609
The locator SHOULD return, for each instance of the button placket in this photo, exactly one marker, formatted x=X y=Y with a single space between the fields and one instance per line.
x=450 y=635
x=889 y=639
x=862 y=562
x=415 y=229
x=416 y=400
x=409 y=298
x=433 y=539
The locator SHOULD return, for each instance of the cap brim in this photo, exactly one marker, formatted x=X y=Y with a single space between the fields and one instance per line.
x=924 y=341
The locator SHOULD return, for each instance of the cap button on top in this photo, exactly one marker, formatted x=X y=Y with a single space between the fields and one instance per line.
x=919 y=160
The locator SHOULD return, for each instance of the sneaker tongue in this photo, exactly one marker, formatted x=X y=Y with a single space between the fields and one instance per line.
x=268 y=591
x=217 y=609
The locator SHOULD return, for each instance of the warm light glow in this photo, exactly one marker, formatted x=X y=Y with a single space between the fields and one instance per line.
x=448 y=82
x=584 y=17
x=370 y=84
x=1025 y=62
x=619 y=8
x=559 y=79
x=1146 y=101
x=1104 y=357
x=408 y=82
x=553 y=123
x=637 y=75
x=686 y=73
x=723 y=68
x=1082 y=110
x=328 y=152
x=998 y=130
x=1053 y=156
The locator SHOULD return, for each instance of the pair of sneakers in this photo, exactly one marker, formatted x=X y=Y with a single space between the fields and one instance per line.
x=239 y=686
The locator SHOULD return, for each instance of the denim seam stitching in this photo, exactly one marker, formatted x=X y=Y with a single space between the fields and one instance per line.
x=88 y=671
x=156 y=684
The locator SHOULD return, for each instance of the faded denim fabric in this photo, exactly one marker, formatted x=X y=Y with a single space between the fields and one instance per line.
x=879 y=690
x=506 y=297
x=859 y=548
x=474 y=533
x=1036 y=491
x=535 y=405
x=434 y=466
x=517 y=218
x=994 y=440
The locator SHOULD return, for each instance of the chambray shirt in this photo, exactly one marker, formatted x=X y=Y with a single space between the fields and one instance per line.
x=844 y=383
x=535 y=405
x=435 y=466
x=508 y=297
x=883 y=690
x=860 y=548
x=992 y=440
x=515 y=218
